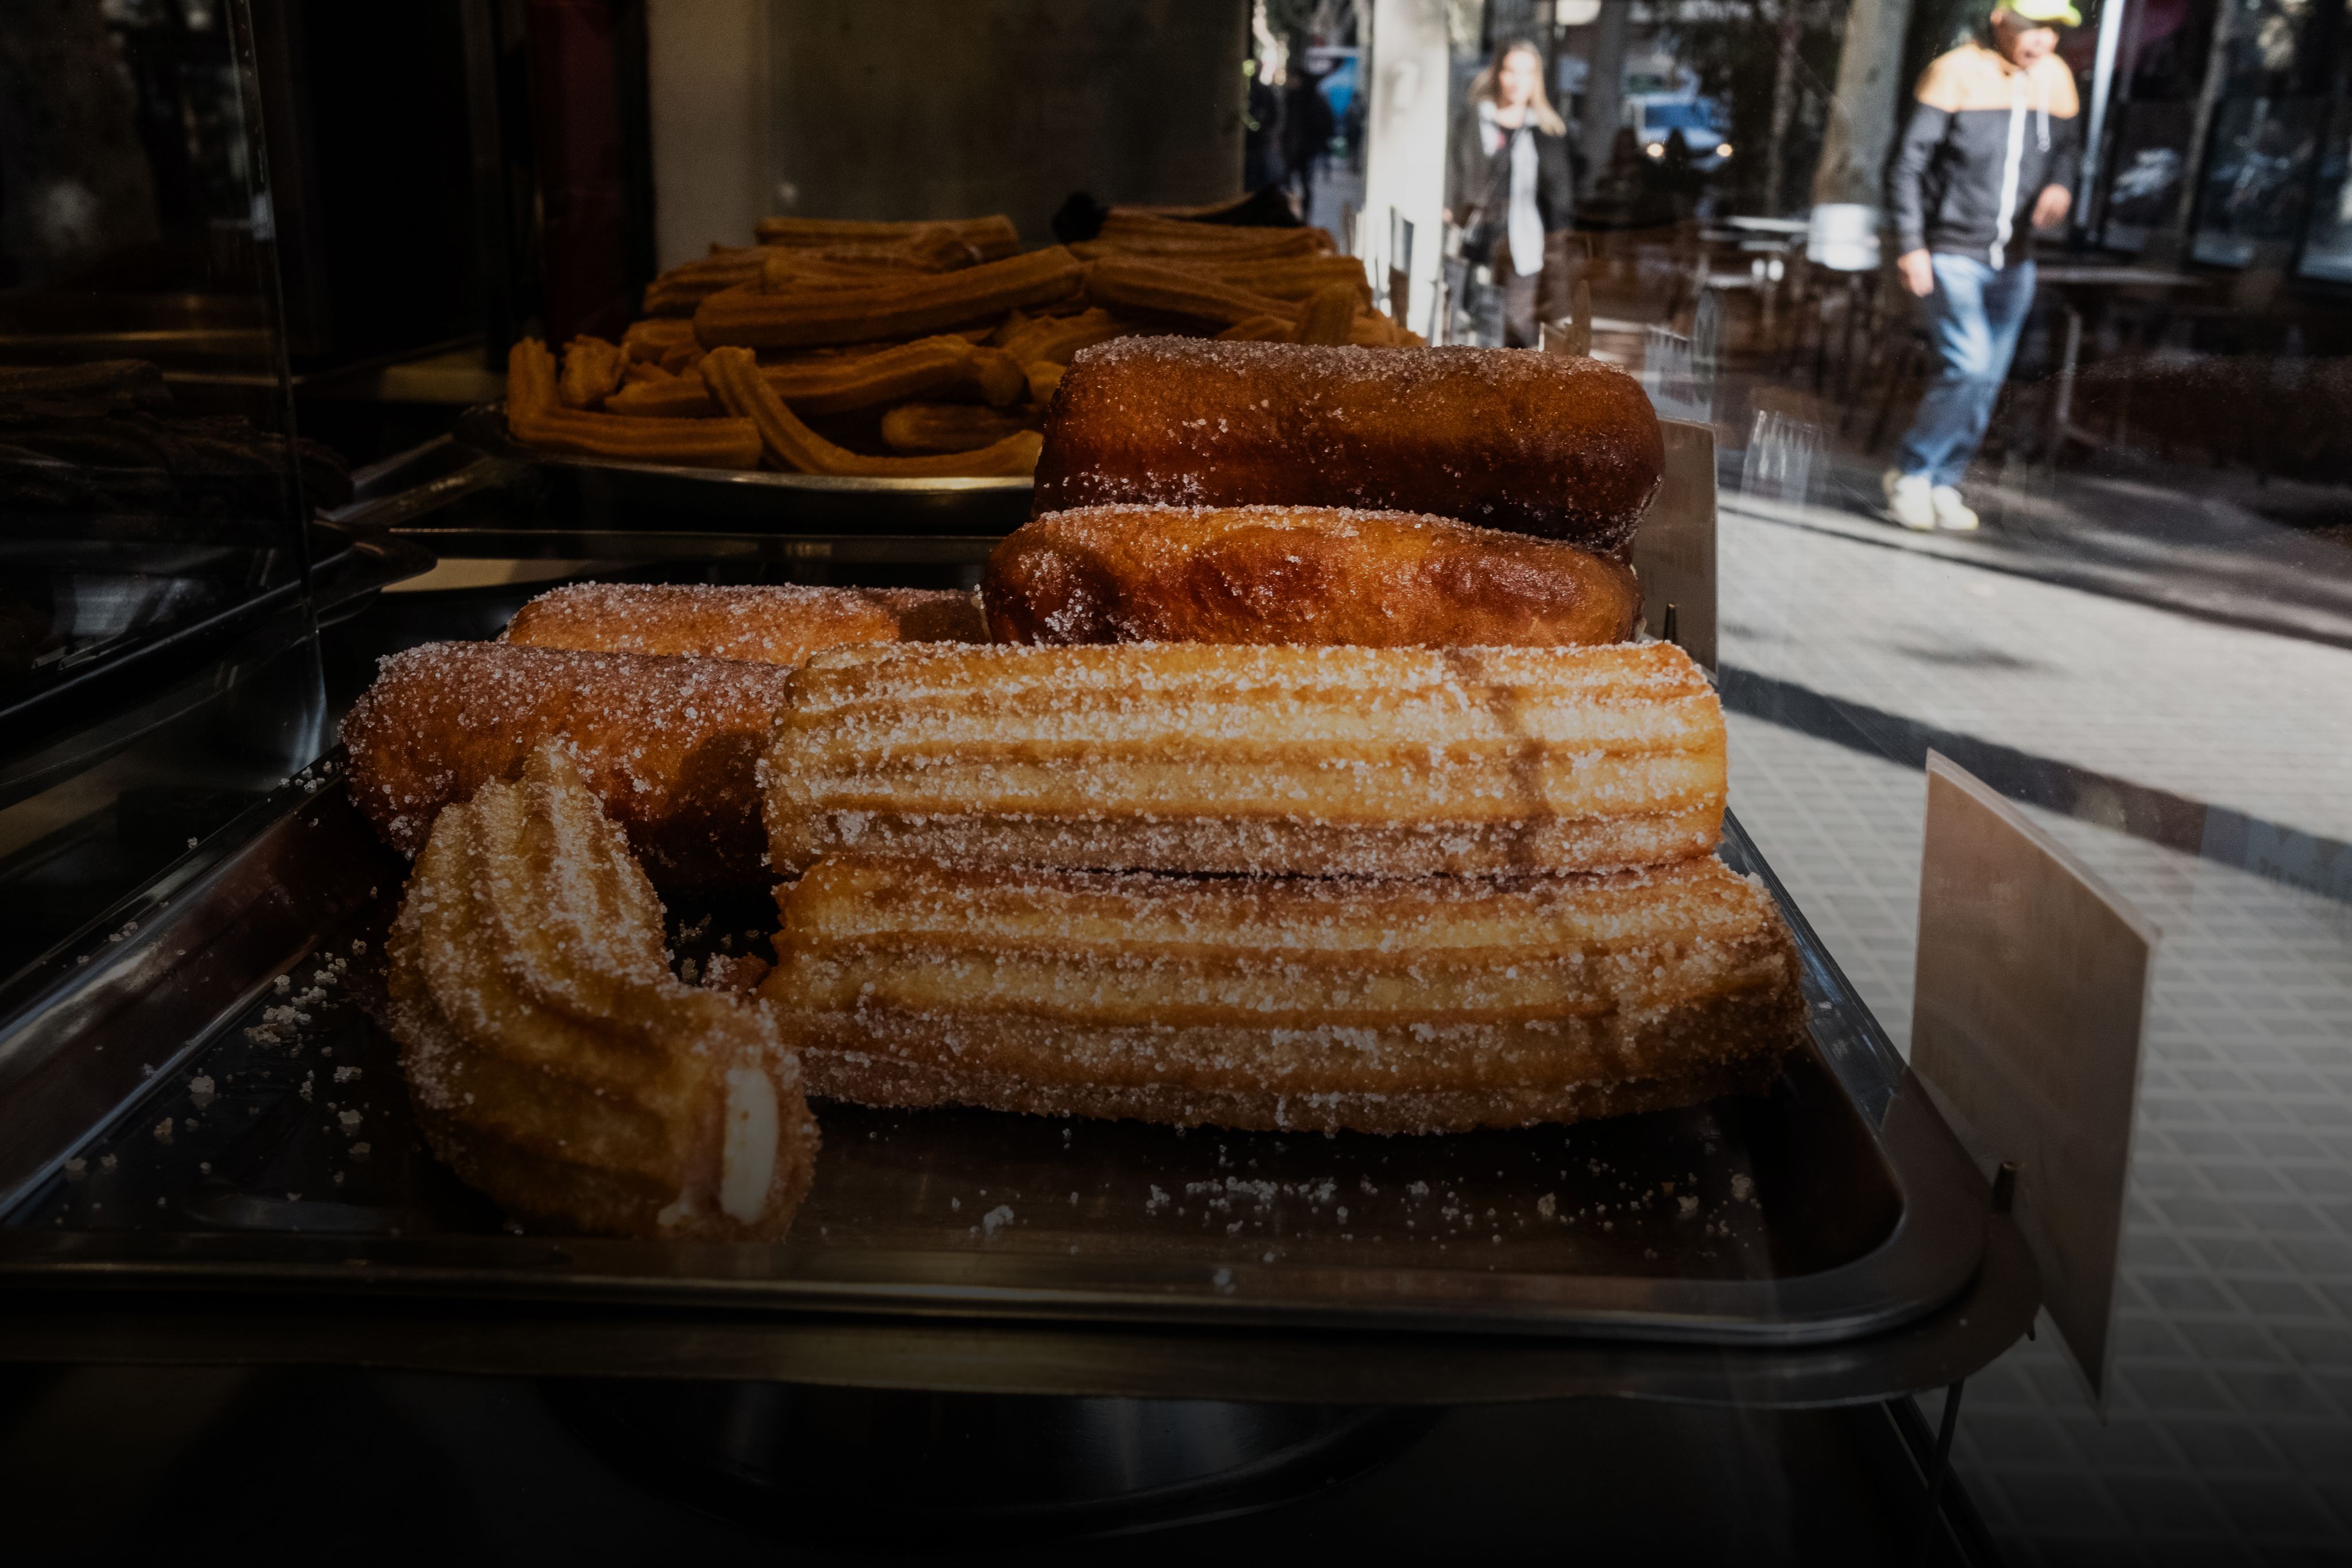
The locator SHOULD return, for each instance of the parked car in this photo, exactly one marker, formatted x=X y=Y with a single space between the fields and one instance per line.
x=1704 y=129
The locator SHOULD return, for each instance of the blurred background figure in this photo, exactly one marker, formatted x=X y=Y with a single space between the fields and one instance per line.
x=1262 y=136
x=1988 y=157
x=1307 y=125
x=1512 y=189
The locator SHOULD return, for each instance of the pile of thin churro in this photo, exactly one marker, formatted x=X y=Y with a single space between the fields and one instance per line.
x=914 y=349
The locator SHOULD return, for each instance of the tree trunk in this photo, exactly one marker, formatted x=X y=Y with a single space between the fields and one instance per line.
x=1605 y=82
x=1784 y=104
x=1864 y=115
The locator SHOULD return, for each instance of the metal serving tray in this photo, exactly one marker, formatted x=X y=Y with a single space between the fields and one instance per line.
x=663 y=496
x=198 y=1099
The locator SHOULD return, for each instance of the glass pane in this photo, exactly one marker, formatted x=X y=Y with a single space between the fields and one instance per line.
x=156 y=670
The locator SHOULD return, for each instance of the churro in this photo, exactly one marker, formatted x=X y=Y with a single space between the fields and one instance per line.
x=1137 y=284
x=1284 y=1003
x=1562 y=447
x=536 y=418
x=901 y=308
x=917 y=427
x=554 y=1061
x=776 y=624
x=1300 y=575
x=671 y=746
x=591 y=372
x=1279 y=760
x=734 y=379
x=993 y=236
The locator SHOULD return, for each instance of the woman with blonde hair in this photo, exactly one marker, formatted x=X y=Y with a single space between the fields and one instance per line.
x=1513 y=188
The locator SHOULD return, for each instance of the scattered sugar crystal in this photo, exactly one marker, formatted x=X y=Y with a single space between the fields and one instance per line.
x=360 y=1151
x=996 y=1219
x=164 y=1131
x=350 y=1119
x=76 y=1169
x=1742 y=1188
x=1689 y=1204
x=200 y=1091
x=1547 y=1204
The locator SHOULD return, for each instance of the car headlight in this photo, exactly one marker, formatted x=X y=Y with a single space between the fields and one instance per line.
x=1723 y=150
x=1657 y=149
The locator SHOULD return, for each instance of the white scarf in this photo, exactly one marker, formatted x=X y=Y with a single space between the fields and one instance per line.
x=1526 y=228
x=1522 y=220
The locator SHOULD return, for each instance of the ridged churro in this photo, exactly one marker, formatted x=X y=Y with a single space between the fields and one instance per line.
x=993 y=236
x=777 y=624
x=671 y=746
x=916 y=427
x=1436 y=1004
x=901 y=308
x=1141 y=284
x=1560 y=447
x=591 y=371
x=534 y=416
x=677 y=291
x=554 y=1061
x=1278 y=760
x=1299 y=575
x=735 y=380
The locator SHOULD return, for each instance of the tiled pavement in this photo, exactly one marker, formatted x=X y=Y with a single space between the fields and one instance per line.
x=2228 y=1434
x=2232 y=717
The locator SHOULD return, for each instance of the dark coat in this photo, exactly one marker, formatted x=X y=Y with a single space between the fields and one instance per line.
x=1479 y=181
x=1944 y=186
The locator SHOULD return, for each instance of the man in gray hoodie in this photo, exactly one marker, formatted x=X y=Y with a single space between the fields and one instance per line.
x=1989 y=156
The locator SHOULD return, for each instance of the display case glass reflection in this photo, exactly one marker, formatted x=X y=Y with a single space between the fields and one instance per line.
x=154 y=630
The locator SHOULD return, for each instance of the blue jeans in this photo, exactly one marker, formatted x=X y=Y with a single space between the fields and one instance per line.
x=1973 y=318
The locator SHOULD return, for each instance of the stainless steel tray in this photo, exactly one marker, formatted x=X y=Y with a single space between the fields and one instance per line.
x=653 y=495
x=1836 y=1210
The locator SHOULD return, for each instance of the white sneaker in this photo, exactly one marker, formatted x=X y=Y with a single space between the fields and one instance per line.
x=1907 y=500
x=1951 y=512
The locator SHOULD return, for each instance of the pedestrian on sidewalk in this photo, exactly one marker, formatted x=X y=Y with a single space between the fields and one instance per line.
x=1512 y=186
x=1988 y=157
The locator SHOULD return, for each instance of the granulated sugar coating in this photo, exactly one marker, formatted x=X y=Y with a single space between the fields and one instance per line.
x=779 y=624
x=1298 y=574
x=670 y=746
x=1559 y=446
x=553 y=1060
x=1391 y=1005
x=1274 y=760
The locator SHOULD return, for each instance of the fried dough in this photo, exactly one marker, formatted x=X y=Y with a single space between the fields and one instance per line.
x=1298 y=575
x=1432 y=1005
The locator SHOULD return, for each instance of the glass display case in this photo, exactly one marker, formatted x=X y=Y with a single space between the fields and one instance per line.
x=672 y=337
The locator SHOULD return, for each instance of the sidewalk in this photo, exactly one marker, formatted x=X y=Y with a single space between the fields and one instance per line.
x=2228 y=1432
x=2206 y=543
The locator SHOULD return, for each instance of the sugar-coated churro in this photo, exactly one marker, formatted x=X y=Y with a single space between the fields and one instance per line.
x=776 y=624
x=1274 y=1003
x=1278 y=760
x=554 y=1061
x=671 y=746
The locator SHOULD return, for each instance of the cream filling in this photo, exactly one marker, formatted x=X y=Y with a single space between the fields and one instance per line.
x=746 y=1159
